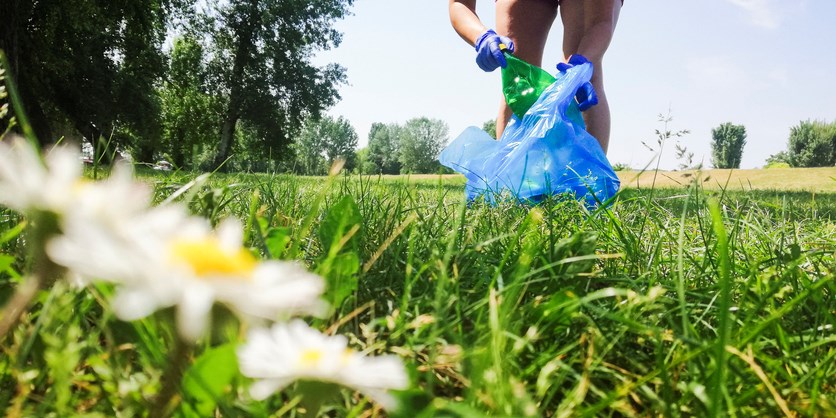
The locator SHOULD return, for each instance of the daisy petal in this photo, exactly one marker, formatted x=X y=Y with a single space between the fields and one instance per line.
x=130 y=304
x=193 y=312
x=264 y=388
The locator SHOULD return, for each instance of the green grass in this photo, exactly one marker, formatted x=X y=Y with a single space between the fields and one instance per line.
x=672 y=302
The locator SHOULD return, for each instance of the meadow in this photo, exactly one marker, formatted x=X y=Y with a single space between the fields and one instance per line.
x=675 y=301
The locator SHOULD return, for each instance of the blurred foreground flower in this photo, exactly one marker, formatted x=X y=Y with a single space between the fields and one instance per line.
x=50 y=191
x=288 y=352
x=56 y=185
x=28 y=183
x=164 y=258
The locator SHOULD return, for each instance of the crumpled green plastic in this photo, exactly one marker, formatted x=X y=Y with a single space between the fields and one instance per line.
x=523 y=83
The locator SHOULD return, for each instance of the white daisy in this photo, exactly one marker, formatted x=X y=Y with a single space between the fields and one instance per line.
x=159 y=257
x=164 y=257
x=29 y=183
x=288 y=352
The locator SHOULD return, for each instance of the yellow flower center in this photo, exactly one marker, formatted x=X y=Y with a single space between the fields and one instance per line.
x=311 y=357
x=80 y=184
x=208 y=257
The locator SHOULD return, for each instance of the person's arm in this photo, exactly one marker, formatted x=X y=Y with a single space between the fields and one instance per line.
x=488 y=44
x=465 y=21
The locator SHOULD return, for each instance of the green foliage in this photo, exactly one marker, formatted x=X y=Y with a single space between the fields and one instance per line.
x=341 y=226
x=421 y=141
x=364 y=164
x=62 y=353
x=240 y=80
x=384 y=149
x=339 y=234
x=90 y=67
x=208 y=380
x=190 y=114
x=322 y=142
x=778 y=160
x=620 y=166
x=727 y=142
x=340 y=141
x=260 y=64
x=411 y=148
x=490 y=128
x=812 y=144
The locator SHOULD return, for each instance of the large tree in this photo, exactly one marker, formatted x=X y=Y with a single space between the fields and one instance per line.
x=340 y=141
x=812 y=144
x=727 y=142
x=420 y=144
x=322 y=142
x=260 y=64
x=384 y=148
x=88 y=64
x=190 y=114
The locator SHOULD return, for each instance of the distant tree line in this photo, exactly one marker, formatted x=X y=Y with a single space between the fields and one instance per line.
x=410 y=148
x=323 y=142
x=810 y=144
x=232 y=88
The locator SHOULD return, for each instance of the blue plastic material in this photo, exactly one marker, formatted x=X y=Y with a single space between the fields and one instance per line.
x=586 y=96
x=548 y=152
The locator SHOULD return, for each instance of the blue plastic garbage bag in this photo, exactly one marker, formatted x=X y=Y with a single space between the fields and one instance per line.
x=548 y=152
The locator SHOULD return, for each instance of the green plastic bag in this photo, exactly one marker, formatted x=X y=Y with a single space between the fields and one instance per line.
x=522 y=84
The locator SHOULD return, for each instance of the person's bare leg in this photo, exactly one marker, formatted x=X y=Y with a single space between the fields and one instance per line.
x=527 y=22
x=588 y=26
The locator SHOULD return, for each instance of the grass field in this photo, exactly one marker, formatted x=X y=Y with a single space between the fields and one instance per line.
x=675 y=301
x=817 y=180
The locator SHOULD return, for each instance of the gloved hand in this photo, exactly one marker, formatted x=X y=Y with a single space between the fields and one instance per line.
x=574 y=60
x=488 y=54
x=585 y=95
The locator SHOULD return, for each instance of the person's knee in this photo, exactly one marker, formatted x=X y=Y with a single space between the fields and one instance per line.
x=598 y=78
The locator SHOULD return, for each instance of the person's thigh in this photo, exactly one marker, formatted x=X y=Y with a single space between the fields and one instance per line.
x=527 y=22
x=588 y=22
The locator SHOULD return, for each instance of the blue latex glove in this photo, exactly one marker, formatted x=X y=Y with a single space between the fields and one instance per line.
x=574 y=60
x=585 y=96
x=489 y=55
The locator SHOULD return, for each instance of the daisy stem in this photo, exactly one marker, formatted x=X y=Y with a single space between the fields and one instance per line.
x=44 y=272
x=24 y=294
x=173 y=375
x=312 y=405
x=314 y=395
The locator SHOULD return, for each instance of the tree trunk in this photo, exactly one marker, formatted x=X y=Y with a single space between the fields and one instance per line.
x=227 y=135
x=34 y=112
x=146 y=147
x=243 y=55
x=102 y=148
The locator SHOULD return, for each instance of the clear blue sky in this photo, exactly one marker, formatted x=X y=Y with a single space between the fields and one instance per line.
x=765 y=64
